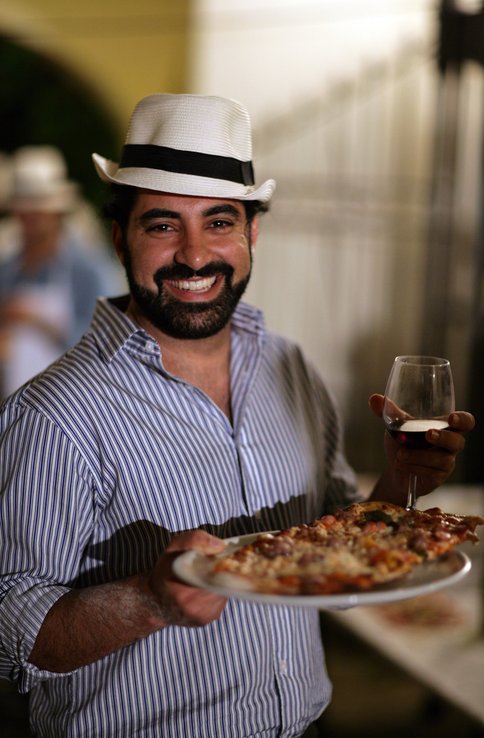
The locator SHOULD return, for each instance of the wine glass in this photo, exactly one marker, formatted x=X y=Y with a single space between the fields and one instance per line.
x=419 y=396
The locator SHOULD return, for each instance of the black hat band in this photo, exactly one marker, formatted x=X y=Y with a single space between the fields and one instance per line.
x=150 y=156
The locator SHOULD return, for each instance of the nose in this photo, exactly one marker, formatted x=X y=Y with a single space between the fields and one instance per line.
x=192 y=250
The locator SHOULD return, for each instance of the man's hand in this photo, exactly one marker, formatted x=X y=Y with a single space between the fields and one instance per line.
x=432 y=465
x=180 y=604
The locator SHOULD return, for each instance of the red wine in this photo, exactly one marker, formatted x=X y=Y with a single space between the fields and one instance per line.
x=411 y=433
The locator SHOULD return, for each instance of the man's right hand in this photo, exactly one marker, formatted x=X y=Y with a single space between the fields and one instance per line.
x=179 y=603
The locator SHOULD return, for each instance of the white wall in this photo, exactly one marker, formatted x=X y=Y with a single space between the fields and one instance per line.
x=271 y=54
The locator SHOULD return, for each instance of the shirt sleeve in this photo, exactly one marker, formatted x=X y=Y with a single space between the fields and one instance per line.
x=46 y=512
x=341 y=487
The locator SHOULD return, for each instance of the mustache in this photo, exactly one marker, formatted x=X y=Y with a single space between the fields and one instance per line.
x=182 y=271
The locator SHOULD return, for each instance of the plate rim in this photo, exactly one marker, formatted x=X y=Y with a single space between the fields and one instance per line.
x=183 y=567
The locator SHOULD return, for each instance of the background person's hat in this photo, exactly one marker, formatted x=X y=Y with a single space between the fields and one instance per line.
x=38 y=181
x=197 y=145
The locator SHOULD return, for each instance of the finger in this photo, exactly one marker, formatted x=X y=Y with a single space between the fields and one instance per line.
x=183 y=604
x=444 y=464
x=462 y=421
x=428 y=480
x=198 y=540
x=425 y=461
x=197 y=605
x=449 y=440
x=193 y=605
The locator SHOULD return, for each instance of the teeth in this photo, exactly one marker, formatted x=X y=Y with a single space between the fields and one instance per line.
x=195 y=285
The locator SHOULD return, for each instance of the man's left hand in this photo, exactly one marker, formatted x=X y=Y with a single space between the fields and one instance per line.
x=432 y=465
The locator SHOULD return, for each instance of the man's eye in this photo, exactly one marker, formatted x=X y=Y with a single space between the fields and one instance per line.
x=220 y=224
x=158 y=227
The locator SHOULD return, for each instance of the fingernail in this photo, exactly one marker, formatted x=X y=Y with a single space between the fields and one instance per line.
x=454 y=419
x=434 y=435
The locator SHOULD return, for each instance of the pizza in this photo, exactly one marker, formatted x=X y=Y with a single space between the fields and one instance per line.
x=357 y=548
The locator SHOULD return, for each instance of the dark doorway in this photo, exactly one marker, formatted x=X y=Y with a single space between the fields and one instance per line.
x=43 y=103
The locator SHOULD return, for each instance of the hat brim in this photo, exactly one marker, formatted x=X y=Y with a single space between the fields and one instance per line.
x=180 y=184
x=60 y=200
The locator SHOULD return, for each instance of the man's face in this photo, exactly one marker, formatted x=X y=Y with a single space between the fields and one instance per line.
x=187 y=260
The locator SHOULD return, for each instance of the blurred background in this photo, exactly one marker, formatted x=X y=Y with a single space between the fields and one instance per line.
x=368 y=113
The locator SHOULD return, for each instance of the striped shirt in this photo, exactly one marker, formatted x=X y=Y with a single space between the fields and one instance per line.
x=102 y=458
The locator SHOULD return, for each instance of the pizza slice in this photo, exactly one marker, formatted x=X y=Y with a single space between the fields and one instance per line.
x=357 y=548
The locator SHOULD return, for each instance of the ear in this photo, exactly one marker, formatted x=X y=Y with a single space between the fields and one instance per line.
x=254 y=232
x=117 y=239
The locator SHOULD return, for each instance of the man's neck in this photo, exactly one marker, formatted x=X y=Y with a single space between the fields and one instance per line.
x=202 y=362
x=205 y=363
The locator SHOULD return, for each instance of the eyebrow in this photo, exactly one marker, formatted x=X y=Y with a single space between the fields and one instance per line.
x=158 y=213
x=225 y=208
x=221 y=209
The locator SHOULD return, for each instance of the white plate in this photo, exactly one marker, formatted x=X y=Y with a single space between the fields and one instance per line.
x=195 y=569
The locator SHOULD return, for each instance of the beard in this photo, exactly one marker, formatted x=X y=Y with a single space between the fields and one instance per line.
x=187 y=320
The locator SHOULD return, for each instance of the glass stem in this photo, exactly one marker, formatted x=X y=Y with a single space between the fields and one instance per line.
x=412 y=492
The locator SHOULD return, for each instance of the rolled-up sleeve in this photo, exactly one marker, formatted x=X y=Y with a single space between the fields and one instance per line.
x=46 y=513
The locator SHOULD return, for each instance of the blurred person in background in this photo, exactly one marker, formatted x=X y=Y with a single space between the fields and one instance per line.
x=51 y=272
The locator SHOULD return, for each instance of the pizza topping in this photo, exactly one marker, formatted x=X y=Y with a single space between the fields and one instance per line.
x=356 y=548
x=381 y=516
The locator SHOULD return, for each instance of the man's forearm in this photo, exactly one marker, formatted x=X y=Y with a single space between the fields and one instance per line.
x=87 y=624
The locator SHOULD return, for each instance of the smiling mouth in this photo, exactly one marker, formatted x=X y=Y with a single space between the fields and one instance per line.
x=202 y=284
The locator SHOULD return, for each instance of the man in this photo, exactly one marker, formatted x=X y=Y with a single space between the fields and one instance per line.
x=51 y=276
x=176 y=421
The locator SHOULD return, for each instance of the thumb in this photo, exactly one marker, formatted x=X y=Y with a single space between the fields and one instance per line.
x=375 y=403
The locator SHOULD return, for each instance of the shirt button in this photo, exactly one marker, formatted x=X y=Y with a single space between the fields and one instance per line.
x=283 y=666
x=257 y=514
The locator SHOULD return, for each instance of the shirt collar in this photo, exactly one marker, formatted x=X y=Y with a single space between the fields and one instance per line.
x=115 y=331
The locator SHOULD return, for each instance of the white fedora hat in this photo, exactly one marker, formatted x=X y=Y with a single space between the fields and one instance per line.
x=197 y=145
x=38 y=181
